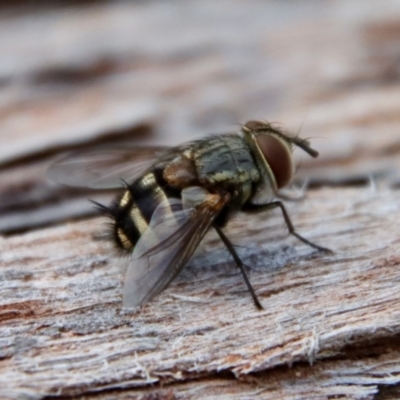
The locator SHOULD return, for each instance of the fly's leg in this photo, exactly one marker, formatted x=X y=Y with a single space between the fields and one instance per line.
x=275 y=204
x=240 y=264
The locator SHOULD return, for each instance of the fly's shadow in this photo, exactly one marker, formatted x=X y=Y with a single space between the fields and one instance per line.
x=219 y=262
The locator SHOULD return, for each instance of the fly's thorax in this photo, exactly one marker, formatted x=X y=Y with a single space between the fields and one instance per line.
x=273 y=157
x=225 y=163
x=224 y=159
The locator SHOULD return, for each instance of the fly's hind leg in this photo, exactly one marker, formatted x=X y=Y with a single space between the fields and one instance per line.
x=240 y=264
x=292 y=231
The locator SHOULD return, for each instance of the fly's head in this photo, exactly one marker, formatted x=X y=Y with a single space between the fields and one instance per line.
x=274 y=149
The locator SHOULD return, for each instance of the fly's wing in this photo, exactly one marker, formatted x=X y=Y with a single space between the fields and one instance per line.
x=104 y=169
x=170 y=240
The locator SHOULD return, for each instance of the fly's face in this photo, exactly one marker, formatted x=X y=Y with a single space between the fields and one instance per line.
x=272 y=150
x=173 y=196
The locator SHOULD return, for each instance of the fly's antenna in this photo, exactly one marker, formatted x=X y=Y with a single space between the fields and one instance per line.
x=304 y=144
x=261 y=126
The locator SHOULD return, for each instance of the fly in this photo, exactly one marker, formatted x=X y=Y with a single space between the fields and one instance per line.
x=174 y=195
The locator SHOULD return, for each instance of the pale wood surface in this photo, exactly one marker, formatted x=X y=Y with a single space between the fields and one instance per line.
x=63 y=330
x=156 y=72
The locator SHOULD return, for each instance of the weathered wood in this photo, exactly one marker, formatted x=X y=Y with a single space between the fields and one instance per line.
x=63 y=331
x=82 y=75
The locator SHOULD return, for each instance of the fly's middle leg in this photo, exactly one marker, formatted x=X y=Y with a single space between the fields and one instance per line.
x=240 y=264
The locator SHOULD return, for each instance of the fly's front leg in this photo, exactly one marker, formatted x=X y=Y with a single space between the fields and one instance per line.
x=275 y=204
x=240 y=264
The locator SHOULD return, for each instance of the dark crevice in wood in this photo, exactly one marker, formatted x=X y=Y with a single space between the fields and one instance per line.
x=355 y=181
x=115 y=138
x=388 y=393
x=166 y=387
x=15 y=231
x=76 y=75
x=37 y=5
x=367 y=348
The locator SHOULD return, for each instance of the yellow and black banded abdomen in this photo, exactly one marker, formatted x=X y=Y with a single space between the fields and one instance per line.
x=132 y=212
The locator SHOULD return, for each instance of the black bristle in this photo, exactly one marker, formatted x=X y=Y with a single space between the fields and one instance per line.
x=104 y=209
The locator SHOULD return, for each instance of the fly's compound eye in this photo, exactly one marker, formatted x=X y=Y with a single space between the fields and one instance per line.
x=278 y=155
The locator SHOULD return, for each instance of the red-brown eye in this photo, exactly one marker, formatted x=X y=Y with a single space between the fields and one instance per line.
x=278 y=157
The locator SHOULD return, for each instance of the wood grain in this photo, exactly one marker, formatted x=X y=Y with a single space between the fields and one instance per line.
x=63 y=331
x=77 y=75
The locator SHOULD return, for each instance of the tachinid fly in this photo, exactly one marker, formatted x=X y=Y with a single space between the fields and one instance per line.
x=174 y=195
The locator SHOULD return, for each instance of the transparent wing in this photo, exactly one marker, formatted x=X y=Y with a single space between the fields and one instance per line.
x=165 y=247
x=104 y=169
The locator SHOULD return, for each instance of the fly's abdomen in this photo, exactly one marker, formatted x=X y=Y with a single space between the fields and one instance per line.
x=133 y=211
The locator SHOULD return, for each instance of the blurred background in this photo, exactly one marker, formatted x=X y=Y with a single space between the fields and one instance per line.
x=79 y=74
